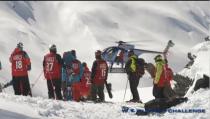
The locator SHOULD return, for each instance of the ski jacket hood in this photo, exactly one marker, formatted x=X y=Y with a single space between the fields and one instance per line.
x=68 y=57
x=133 y=59
x=159 y=74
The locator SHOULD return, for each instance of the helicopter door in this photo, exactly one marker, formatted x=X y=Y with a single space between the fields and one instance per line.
x=119 y=60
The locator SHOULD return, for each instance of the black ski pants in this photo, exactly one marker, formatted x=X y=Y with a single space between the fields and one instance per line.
x=21 y=85
x=54 y=88
x=134 y=82
x=158 y=92
x=97 y=90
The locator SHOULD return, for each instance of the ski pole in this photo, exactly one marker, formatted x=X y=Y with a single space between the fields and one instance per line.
x=32 y=85
x=125 y=90
x=37 y=79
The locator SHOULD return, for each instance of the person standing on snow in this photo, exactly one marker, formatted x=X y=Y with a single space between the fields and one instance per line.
x=159 y=79
x=98 y=77
x=85 y=82
x=52 y=64
x=21 y=64
x=168 y=91
x=133 y=75
x=71 y=76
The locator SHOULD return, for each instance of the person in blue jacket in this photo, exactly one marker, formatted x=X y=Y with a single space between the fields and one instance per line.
x=71 y=76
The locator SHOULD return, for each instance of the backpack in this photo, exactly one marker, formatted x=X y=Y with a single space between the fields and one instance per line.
x=140 y=64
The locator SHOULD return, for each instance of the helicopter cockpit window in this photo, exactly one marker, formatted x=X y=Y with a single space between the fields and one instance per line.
x=110 y=52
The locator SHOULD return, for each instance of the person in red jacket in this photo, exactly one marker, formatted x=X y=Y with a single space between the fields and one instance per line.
x=52 y=64
x=168 y=73
x=20 y=66
x=85 y=82
x=98 y=77
x=168 y=91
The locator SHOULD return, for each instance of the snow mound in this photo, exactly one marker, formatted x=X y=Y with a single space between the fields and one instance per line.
x=38 y=107
x=200 y=66
x=202 y=62
x=197 y=100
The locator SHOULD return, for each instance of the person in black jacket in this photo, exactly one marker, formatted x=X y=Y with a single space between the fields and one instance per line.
x=133 y=77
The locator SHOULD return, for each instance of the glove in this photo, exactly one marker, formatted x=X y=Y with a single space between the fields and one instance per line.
x=155 y=82
x=29 y=67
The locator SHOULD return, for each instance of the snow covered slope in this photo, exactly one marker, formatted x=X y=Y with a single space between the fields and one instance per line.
x=50 y=109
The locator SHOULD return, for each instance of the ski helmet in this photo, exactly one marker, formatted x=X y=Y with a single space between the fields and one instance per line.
x=20 y=45
x=130 y=53
x=73 y=53
x=52 y=48
x=98 y=54
x=84 y=64
x=157 y=58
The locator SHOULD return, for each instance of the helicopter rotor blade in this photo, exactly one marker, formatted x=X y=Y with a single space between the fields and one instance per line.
x=147 y=51
x=138 y=41
x=142 y=45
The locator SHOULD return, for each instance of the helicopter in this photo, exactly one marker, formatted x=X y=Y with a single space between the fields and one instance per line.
x=119 y=54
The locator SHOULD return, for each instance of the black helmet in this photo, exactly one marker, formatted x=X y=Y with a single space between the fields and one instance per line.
x=73 y=53
x=20 y=45
x=130 y=53
x=84 y=64
x=52 y=48
x=158 y=57
x=98 y=54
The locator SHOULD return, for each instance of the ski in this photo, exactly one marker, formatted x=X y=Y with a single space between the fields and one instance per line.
x=108 y=87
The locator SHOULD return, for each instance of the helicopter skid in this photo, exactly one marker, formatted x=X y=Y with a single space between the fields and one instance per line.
x=117 y=70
